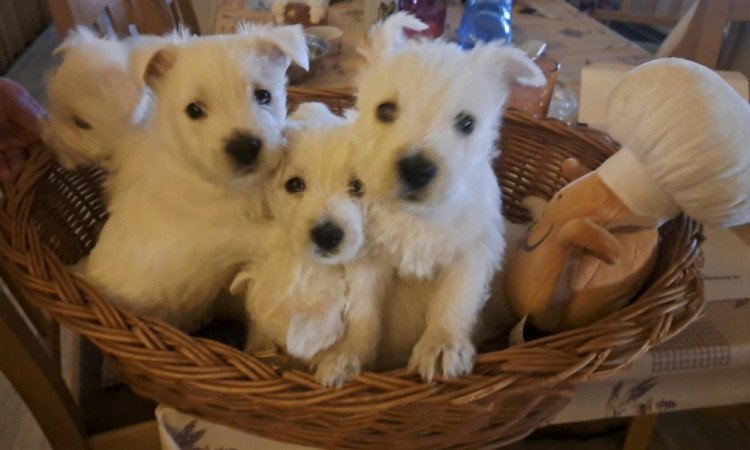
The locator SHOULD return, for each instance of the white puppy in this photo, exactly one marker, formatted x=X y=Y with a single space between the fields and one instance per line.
x=93 y=99
x=429 y=116
x=193 y=178
x=318 y=292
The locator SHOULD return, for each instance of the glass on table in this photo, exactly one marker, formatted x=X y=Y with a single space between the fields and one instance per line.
x=431 y=12
x=535 y=100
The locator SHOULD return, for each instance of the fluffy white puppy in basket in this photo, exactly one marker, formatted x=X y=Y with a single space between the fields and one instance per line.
x=93 y=99
x=429 y=117
x=195 y=174
x=318 y=291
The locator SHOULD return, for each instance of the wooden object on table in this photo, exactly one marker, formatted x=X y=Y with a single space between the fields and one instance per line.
x=645 y=12
x=640 y=431
x=701 y=34
x=21 y=21
x=116 y=17
x=31 y=362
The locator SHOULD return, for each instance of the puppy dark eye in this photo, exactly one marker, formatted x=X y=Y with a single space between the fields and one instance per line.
x=80 y=123
x=262 y=96
x=195 y=110
x=386 y=112
x=464 y=123
x=294 y=185
x=356 y=189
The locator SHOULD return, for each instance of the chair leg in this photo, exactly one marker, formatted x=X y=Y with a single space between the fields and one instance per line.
x=140 y=436
x=38 y=382
x=640 y=431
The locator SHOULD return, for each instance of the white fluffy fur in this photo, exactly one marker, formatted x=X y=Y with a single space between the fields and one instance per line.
x=321 y=308
x=93 y=100
x=447 y=244
x=183 y=215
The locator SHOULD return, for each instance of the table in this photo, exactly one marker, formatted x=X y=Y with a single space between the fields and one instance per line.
x=573 y=38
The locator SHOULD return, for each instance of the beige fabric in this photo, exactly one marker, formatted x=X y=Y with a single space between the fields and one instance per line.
x=688 y=128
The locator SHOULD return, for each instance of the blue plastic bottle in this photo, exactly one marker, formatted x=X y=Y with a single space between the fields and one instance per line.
x=484 y=21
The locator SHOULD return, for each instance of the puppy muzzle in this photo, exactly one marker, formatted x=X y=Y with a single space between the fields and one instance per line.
x=416 y=173
x=327 y=237
x=244 y=149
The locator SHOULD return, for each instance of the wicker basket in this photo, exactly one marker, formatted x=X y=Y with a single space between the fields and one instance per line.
x=52 y=217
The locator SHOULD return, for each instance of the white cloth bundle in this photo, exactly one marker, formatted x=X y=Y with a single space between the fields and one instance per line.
x=685 y=135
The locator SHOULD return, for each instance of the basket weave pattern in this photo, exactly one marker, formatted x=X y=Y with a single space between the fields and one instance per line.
x=52 y=217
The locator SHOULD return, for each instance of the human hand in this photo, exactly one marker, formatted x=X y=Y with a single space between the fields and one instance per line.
x=19 y=127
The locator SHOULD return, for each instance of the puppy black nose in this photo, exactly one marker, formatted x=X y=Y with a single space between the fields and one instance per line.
x=327 y=235
x=416 y=171
x=244 y=149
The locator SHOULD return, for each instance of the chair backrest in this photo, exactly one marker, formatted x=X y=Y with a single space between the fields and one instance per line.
x=122 y=18
x=21 y=21
x=700 y=34
x=646 y=12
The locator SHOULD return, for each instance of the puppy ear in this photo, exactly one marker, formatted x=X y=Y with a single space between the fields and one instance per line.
x=512 y=63
x=78 y=36
x=388 y=35
x=151 y=64
x=242 y=281
x=279 y=43
x=144 y=47
x=180 y=33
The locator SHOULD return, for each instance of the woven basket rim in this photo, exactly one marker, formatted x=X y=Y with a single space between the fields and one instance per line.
x=149 y=348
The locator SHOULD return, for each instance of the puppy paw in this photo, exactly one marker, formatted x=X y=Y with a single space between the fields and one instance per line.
x=336 y=368
x=259 y=347
x=311 y=332
x=446 y=353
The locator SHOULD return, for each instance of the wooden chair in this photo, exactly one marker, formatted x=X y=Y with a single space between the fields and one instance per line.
x=697 y=35
x=80 y=414
x=703 y=34
x=645 y=12
x=122 y=17
x=21 y=21
x=100 y=418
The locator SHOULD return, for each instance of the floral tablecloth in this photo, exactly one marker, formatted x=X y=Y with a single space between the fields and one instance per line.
x=573 y=38
x=707 y=365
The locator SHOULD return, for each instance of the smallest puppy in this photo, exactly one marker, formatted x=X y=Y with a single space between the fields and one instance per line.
x=317 y=293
